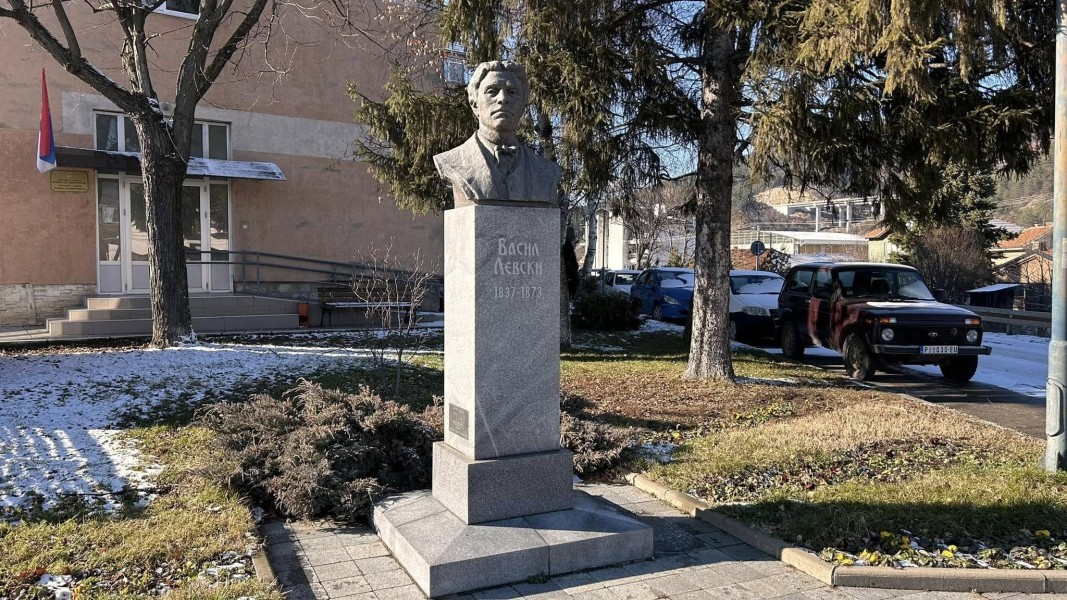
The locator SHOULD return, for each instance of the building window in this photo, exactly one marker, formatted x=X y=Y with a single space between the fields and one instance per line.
x=115 y=133
x=213 y=136
x=180 y=8
x=454 y=65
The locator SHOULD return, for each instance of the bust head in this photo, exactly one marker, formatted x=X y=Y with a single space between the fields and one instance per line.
x=498 y=92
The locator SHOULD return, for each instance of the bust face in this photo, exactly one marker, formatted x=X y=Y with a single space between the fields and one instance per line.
x=499 y=104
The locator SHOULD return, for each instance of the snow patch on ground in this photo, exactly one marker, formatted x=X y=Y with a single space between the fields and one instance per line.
x=58 y=411
x=649 y=325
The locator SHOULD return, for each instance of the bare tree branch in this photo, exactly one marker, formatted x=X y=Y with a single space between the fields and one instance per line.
x=68 y=31
x=73 y=63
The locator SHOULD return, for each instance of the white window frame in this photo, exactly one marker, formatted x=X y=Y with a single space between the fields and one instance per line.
x=205 y=137
x=163 y=10
x=120 y=130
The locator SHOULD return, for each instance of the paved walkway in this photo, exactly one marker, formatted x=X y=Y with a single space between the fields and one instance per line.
x=692 y=561
x=21 y=335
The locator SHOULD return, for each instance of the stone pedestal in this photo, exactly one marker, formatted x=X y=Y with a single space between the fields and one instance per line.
x=502 y=507
x=501 y=330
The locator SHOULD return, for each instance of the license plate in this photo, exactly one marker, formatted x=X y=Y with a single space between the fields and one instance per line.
x=939 y=349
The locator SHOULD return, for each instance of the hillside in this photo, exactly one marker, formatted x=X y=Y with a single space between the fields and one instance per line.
x=1026 y=200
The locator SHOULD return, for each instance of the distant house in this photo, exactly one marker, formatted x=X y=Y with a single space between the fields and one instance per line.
x=1008 y=226
x=804 y=242
x=1032 y=239
x=879 y=246
x=612 y=243
x=1033 y=270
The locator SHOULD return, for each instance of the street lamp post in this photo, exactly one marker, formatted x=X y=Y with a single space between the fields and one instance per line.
x=1055 y=396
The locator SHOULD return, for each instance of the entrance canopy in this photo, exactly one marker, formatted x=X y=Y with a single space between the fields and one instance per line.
x=201 y=167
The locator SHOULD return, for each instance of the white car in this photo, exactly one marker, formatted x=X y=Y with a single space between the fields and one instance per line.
x=620 y=280
x=753 y=303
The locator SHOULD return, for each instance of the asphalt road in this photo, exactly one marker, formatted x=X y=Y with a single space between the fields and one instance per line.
x=1007 y=408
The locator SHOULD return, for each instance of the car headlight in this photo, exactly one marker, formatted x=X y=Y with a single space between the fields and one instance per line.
x=972 y=335
x=756 y=311
x=888 y=334
x=669 y=300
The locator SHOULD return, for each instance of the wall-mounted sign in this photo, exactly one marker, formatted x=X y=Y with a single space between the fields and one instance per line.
x=69 y=181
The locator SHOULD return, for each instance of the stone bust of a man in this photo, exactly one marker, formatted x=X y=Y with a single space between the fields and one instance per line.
x=493 y=164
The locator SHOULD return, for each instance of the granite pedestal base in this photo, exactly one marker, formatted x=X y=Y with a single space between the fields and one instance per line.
x=445 y=556
x=478 y=491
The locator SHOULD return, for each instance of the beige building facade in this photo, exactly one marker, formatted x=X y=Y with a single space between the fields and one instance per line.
x=275 y=175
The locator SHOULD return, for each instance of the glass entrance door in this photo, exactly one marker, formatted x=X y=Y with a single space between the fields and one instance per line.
x=206 y=235
x=122 y=233
x=135 y=240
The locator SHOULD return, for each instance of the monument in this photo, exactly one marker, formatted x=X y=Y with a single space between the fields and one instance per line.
x=502 y=507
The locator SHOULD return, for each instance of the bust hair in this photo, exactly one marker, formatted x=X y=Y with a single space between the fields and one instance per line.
x=505 y=66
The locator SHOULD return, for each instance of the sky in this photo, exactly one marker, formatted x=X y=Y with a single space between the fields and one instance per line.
x=59 y=430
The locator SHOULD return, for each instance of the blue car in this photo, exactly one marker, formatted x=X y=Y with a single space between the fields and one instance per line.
x=665 y=293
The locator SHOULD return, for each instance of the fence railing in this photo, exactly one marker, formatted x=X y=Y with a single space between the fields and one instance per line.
x=254 y=268
x=1012 y=318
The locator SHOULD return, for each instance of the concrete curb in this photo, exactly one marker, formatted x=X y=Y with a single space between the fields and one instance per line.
x=261 y=564
x=920 y=578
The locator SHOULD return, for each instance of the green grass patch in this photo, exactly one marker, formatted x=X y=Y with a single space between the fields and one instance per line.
x=141 y=551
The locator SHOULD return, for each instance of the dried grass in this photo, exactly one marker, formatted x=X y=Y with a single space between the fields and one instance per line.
x=850 y=424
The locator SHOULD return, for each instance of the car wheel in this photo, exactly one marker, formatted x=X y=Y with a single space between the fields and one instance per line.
x=657 y=312
x=790 y=341
x=859 y=363
x=960 y=368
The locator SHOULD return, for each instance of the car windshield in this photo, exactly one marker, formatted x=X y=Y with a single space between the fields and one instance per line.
x=677 y=280
x=896 y=284
x=755 y=284
x=625 y=278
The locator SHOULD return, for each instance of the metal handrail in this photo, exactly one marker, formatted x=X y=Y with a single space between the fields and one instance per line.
x=339 y=272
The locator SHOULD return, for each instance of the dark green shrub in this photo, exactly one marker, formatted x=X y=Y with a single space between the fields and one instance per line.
x=323 y=453
x=596 y=446
x=588 y=285
x=605 y=311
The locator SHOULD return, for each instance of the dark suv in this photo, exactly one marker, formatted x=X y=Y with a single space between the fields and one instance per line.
x=875 y=315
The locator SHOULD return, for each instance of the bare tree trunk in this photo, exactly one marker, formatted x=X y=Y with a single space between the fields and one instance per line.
x=591 y=236
x=709 y=354
x=163 y=171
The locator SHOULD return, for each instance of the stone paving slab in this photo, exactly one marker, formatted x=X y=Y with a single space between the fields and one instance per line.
x=692 y=560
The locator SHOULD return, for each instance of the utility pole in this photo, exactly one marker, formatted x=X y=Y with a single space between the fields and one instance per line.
x=1055 y=396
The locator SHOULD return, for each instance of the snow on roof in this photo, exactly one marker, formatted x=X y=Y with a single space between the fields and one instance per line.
x=1006 y=226
x=237 y=169
x=996 y=287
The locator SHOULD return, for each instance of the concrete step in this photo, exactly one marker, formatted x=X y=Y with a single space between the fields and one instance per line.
x=132 y=315
x=116 y=302
x=108 y=314
x=208 y=305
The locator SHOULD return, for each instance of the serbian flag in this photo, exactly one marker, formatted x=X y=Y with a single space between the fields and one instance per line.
x=46 y=144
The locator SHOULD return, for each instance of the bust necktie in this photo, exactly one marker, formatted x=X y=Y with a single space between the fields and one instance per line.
x=505 y=157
